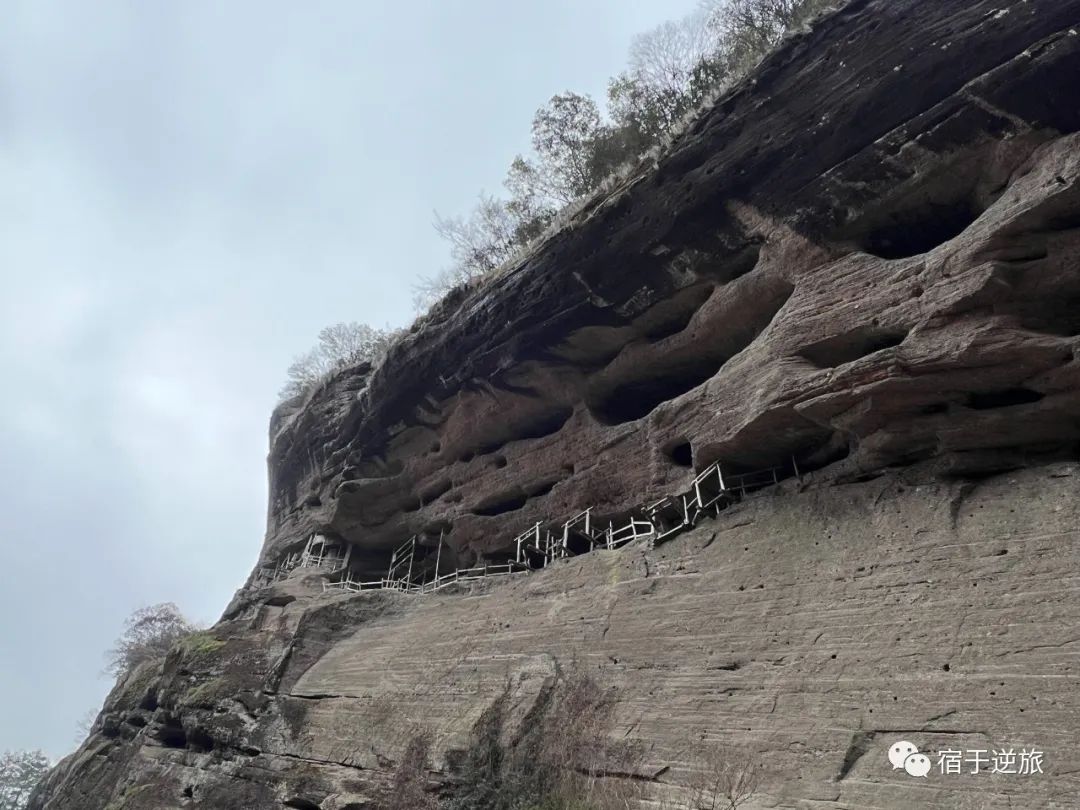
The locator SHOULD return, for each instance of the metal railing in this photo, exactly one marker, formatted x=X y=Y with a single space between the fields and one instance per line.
x=537 y=547
x=457 y=575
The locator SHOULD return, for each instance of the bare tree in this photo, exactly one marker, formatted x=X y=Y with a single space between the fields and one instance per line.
x=340 y=345
x=149 y=633
x=408 y=788
x=749 y=29
x=20 y=772
x=352 y=342
x=85 y=725
x=482 y=242
x=665 y=58
x=561 y=757
x=728 y=779
x=531 y=209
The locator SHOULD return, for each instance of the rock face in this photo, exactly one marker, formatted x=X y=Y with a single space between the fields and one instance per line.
x=859 y=259
x=861 y=266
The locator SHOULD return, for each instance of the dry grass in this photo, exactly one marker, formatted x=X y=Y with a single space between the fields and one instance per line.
x=561 y=758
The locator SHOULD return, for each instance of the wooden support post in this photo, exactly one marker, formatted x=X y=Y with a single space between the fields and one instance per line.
x=795 y=466
x=438 y=555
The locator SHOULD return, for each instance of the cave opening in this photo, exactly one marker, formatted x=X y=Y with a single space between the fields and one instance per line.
x=638 y=385
x=921 y=229
x=200 y=741
x=501 y=504
x=637 y=398
x=682 y=454
x=989 y=400
x=171 y=734
x=537 y=426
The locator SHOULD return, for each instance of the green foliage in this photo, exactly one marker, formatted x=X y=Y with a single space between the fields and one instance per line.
x=20 y=772
x=201 y=643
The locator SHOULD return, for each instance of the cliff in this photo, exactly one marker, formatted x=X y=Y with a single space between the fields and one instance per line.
x=857 y=269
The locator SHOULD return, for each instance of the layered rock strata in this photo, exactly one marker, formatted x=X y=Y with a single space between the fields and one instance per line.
x=861 y=263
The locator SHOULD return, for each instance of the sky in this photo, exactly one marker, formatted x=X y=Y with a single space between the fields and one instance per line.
x=189 y=192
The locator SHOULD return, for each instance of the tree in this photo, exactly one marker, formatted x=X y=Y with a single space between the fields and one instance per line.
x=564 y=134
x=528 y=207
x=673 y=70
x=408 y=788
x=340 y=345
x=665 y=61
x=750 y=29
x=482 y=242
x=20 y=772
x=728 y=780
x=149 y=633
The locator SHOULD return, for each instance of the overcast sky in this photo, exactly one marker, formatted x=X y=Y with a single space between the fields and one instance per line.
x=189 y=191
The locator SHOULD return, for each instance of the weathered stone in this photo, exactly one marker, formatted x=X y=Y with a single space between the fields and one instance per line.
x=862 y=263
x=863 y=252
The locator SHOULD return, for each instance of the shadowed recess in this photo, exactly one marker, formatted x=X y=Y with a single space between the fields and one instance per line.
x=850 y=346
x=988 y=400
x=920 y=230
x=645 y=377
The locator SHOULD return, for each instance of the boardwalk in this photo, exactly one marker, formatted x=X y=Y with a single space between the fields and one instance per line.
x=708 y=494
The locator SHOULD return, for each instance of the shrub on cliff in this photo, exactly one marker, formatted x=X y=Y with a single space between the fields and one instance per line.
x=339 y=346
x=557 y=760
x=726 y=778
x=20 y=772
x=673 y=71
x=408 y=788
x=149 y=634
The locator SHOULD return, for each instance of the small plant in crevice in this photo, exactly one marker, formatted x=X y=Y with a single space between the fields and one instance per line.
x=561 y=757
x=725 y=778
x=409 y=786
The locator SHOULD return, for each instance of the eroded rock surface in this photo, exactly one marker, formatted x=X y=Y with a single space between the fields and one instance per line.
x=815 y=628
x=861 y=264
x=861 y=258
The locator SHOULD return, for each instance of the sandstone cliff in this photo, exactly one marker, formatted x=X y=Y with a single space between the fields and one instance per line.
x=859 y=267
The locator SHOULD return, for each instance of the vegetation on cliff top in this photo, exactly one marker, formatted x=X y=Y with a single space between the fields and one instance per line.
x=579 y=150
x=149 y=634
